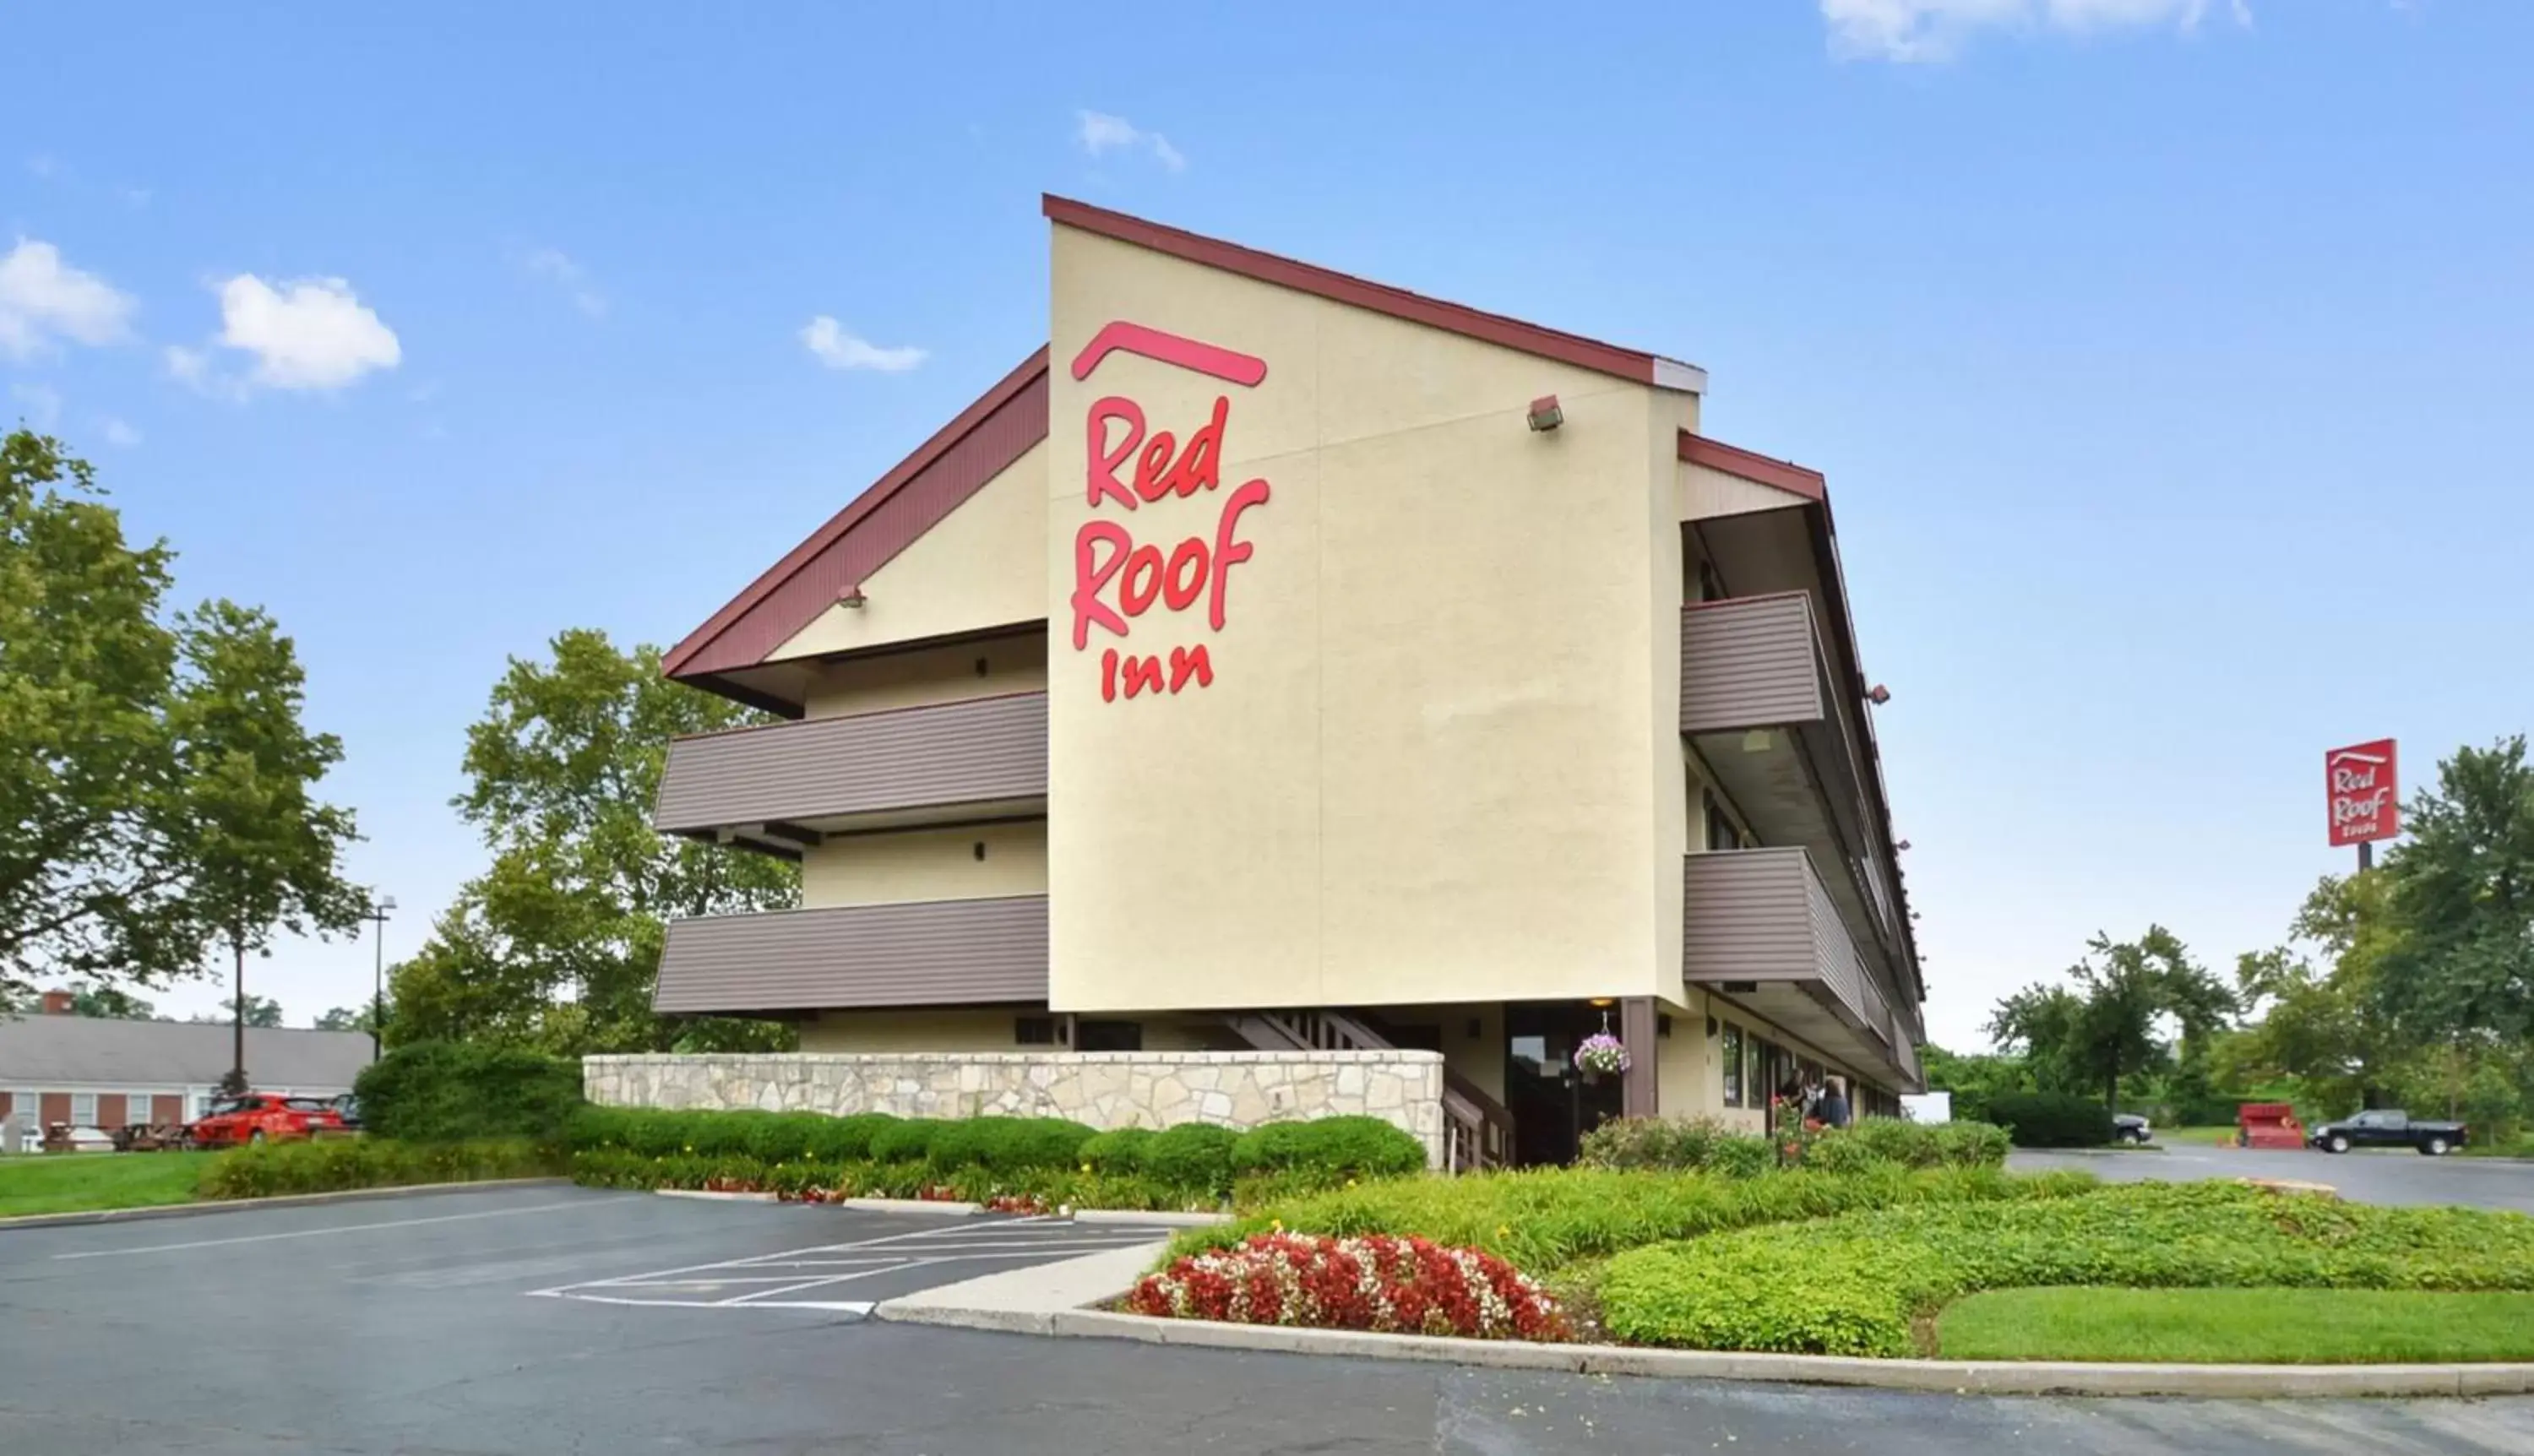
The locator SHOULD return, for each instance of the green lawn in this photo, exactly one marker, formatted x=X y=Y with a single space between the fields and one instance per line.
x=2251 y=1326
x=72 y=1183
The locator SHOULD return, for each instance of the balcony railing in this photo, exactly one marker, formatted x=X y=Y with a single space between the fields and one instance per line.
x=1760 y=924
x=941 y=756
x=932 y=952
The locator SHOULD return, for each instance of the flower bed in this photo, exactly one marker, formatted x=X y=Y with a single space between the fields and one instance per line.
x=1869 y=1283
x=335 y=1164
x=1378 y=1283
x=1707 y=1145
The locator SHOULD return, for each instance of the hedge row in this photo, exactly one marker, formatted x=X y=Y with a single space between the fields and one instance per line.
x=1709 y=1146
x=1549 y=1217
x=335 y=1164
x=2051 y=1119
x=1197 y=1158
x=458 y=1091
x=1853 y=1285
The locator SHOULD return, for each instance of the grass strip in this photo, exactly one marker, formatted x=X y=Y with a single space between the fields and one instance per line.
x=82 y=1182
x=2238 y=1326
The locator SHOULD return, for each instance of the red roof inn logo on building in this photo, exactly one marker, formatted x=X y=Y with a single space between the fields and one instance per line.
x=2359 y=782
x=1116 y=581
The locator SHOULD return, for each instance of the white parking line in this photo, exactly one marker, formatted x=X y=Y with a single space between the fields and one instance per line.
x=398 y=1222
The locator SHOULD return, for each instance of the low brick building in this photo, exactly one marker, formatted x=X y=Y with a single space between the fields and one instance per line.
x=92 y=1072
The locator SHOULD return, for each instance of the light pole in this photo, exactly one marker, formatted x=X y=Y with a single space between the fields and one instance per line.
x=378 y=916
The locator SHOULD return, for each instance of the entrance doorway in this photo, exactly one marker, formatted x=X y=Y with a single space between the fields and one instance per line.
x=1552 y=1104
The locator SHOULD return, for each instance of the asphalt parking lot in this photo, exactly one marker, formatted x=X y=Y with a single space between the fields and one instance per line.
x=556 y=1319
x=2373 y=1177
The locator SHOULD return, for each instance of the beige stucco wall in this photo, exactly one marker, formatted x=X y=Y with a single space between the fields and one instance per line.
x=921 y=677
x=1428 y=768
x=1685 y=1065
x=950 y=1029
x=977 y=568
x=926 y=865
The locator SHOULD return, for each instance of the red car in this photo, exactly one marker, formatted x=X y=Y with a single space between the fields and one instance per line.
x=262 y=1117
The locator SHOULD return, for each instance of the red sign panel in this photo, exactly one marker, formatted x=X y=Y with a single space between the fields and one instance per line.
x=1129 y=466
x=2359 y=784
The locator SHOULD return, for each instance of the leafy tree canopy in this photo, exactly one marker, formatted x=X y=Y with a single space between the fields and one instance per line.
x=2107 y=1022
x=258 y=1011
x=557 y=943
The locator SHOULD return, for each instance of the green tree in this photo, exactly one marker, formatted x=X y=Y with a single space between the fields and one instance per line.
x=258 y=1011
x=93 y=861
x=2322 y=1026
x=2107 y=1023
x=2460 y=970
x=1974 y=1078
x=344 y=1018
x=265 y=854
x=557 y=943
x=106 y=1004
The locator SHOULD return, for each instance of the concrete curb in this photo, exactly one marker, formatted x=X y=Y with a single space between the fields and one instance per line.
x=1025 y=1302
x=911 y=1205
x=1154 y=1220
x=286 y=1200
x=725 y=1197
x=1957 y=1377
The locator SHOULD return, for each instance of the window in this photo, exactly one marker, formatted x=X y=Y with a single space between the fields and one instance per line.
x=1108 y=1036
x=136 y=1107
x=1732 y=1064
x=1034 y=1031
x=82 y=1109
x=200 y=1105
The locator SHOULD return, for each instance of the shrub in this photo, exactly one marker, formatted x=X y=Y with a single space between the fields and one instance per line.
x=334 y=1165
x=1912 y=1144
x=1358 y=1146
x=1738 y=1157
x=1119 y=1150
x=455 y=1091
x=1853 y=1285
x=2051 y=1119
x=1832 y=1153
x=850 y=1139
x=1545 y=1218
x=1007 y=1144
x=1378 y=1283
x=909 y=1140
x=1197 y=1156
x=1651 y=1142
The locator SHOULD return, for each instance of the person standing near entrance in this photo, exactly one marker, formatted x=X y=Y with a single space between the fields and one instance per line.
x=1831 y=1110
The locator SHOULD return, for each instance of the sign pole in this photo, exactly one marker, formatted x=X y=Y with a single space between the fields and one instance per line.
x=2366 y=855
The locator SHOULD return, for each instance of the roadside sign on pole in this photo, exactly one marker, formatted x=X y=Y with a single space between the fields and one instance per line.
x=2361 y=792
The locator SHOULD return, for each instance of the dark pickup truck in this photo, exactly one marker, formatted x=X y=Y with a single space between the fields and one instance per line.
x=2388 y=1127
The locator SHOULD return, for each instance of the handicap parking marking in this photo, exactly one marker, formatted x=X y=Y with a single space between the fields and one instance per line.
x=813 y=1277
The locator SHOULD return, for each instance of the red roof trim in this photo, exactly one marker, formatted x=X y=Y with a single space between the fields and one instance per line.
x=1531 y=339
x=880 y=541
x=1751 y=466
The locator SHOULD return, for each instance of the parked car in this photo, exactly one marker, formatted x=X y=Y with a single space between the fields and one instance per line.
x=2131 y=1127
x=2388 y=1127
x=262 y=1117
x=349 y=1108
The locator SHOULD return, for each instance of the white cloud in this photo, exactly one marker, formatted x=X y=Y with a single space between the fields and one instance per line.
x=1101 y=134
x=307 y=333
x=39 y=404
x=1936 y=29
x=116 y=432
x=552 y=264
x=43 y=300
x=839 y=349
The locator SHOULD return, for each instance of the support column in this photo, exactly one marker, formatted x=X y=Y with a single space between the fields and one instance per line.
x=1637 y=1094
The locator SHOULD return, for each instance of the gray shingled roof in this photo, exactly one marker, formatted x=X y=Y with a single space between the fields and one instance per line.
x=38 y=1052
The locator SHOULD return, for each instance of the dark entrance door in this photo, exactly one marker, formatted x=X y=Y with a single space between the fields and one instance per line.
x=1552 y=1104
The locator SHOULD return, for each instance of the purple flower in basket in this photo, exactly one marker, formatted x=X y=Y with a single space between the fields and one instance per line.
x=1603 y=1055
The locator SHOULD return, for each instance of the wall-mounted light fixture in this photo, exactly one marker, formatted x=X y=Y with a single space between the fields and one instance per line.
x=1544 y=413
x=1878 y=694
x=852 y=595
x=1712 y=1026
x=1902 y=845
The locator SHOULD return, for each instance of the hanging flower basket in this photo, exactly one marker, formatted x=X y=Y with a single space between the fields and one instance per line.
x=1602 y=1054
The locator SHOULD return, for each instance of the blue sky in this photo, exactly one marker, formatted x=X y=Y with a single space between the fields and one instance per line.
x=2159 y=353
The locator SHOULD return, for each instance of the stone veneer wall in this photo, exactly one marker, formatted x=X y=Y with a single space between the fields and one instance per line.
x=1105 y=1089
